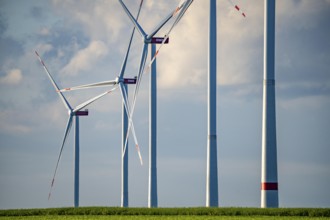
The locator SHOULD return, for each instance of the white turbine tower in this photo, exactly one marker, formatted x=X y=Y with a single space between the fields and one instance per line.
x=269 y=183
x=152 y=190
x=73 y=112
x=212 y=196
x=124 y=160
x=212 y=162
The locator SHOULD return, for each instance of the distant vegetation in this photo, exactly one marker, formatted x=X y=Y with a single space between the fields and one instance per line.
x=116 y=211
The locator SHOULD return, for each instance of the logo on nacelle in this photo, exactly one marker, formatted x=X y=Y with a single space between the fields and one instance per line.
x=159 y=40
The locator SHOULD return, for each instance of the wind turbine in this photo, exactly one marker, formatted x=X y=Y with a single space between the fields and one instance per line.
x=212 y=197
x=269 y=183
x=72 y=112
x=150 y=39
x=122 y=82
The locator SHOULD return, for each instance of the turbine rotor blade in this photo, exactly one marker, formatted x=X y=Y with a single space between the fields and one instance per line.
x=162 y=23
x=237 y=8
x=181 y=9
x=125 y=101
x=144 y=56
x=65 y=102
x=134 y=21
x=88 y=102
x=123 y=67
x=137 y=86
x=92 y=85
x=66 y=133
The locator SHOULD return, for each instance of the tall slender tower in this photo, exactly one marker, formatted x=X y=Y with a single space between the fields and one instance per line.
x=212 y=162
x=124 y=165
x=76 y=163
x=152 y=191
x=269 y=184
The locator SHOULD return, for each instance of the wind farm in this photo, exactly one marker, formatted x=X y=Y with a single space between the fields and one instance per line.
x=183 y=109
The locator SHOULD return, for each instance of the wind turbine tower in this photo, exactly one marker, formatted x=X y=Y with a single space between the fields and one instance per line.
x=152 y=191
x=269 y=184
x=152 y=186
x=124 y=161
x=212 y=161
x=77 y=157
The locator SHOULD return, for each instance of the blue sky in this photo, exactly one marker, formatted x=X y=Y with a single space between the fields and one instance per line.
x=85 y=41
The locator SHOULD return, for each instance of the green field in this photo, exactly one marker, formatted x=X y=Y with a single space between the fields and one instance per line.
x=148 y=217
x=100 y=213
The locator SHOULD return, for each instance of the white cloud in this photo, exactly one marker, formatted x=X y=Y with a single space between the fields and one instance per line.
x=303 y=14
x=180 y=62
x=86 y=58
x=10 y=124
x=44 y=31
x=13 y=77
x=97 y=18
x=43 y=48
x=184 y=61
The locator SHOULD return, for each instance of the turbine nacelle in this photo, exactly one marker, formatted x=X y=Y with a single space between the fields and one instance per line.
x=78 y=113
x=130 y=80
x=82 y=113
x=154 y=40
x=125 y=80
x=159 y=40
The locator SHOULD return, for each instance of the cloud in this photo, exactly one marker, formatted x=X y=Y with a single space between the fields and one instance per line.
x=96 y=19
x=303 y=14
x=37 y=12
x=184 y=61
x=180 y=62
x=86 y=58
x=13 y=77
x=44 y=48
x=44 y=31
x=11 y=124
x=302 y=51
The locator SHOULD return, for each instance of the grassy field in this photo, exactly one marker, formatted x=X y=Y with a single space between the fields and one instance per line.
x=148 y=217
x=100 y=213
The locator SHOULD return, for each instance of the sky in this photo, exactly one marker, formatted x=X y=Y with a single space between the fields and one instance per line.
x=85 y=41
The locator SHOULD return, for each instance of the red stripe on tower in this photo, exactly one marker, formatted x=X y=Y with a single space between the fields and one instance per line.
x=269 y=186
